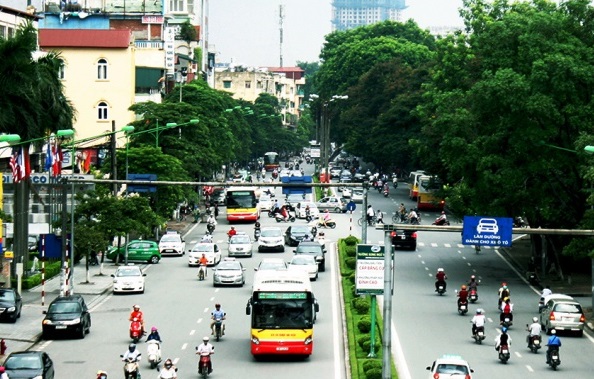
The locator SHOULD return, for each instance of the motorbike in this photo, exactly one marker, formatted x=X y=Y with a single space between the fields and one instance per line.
x=463 y=308
x=534 y=343
x=473 y=295
x=554 y=359
x=440 y=289
x=479 y=336
x=166 y=374
x=395 y=182
x=506 y=322
x=257 y=233
x=203 y=365
x=329 y=224
x=136 y=331
x=416 y=220
x=131 y=367
x=504 y=353
x=210 y=227
x=442 y=221
x=386 y=193
x=153 y=350
x=279 y=217
x=202 y=272
x=218 y=325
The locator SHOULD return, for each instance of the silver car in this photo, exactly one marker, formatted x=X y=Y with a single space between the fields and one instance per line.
x=562 y=312
x=271 y=239
x=240 y=245
x=305 y=263
x=332 y=203
x=228 y=273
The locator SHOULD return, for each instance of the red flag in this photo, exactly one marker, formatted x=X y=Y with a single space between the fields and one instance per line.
x=57 y=158
x=19 y=164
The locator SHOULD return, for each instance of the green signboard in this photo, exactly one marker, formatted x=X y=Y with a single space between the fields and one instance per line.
x=369 y=274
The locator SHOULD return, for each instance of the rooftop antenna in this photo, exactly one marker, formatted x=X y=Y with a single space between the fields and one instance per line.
x=281 y=17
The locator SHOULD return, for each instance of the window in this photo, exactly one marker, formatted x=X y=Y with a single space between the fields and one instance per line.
x=226 y=84
x=61 y=71
x=10 y=32
x=248 y=84
x=176 y=5
x=102 y=69
x=102 y=111
x=2 y=31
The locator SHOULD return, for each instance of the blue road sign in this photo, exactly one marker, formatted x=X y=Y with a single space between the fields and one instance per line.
x=487 y=231
x=296 y=180
x=351 y=206
x=139 y=187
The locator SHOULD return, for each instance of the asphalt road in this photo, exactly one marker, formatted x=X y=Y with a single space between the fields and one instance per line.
x=179 y=306
x=427 y=326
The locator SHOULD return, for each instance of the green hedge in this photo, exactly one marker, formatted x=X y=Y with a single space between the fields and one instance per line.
x=52 y=268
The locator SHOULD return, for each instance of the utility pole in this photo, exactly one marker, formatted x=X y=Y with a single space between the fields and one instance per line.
x=281 y=17
x=114 y=169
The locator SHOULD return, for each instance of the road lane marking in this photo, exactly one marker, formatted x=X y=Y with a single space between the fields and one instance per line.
x=192 y=332
x=460 y=246
x=199 y=321
x=447 y=245
x=518 y=354
x=529 y=368
x=463 y=257
x=184 y=346
x=175 y=360
x=433 y=244
x=422 y=262
x=469 y=264
x=419 y=255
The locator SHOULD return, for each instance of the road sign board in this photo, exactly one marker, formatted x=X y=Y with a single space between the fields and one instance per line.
x=351 y=206
x=487 y=231
x=296 y=180
x=142 y=188
x=369 y=274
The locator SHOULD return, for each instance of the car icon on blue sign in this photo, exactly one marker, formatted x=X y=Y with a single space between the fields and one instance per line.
x=487 y=225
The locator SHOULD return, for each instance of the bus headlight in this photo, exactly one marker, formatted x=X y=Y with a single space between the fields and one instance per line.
x=308 y=340
x=255 y=340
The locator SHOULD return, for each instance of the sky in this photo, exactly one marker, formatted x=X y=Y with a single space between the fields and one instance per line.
x=247 y=31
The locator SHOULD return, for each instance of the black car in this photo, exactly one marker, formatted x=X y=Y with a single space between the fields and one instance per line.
x=404 y=239
x=11 y=304
x=67 y=314
x=295 y=234
x=359 y=178
x=316 y=250
x=29 y=364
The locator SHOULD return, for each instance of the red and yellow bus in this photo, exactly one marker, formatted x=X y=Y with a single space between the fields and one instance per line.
x=242 y=204
x=271 y=161
x=283 y=310
x=428 y=193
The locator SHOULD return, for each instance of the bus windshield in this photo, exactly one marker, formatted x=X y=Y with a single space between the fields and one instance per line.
x=241 y=199
x=271 y=161
x=282 y=314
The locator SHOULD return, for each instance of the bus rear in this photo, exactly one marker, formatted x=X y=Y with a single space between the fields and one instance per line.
x=428 y=196
x=242 y=204
x=413 y=183
x=271 y=161
x=283 y=311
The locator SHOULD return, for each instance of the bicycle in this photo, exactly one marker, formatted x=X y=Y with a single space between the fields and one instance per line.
x=364 y=219
x=398 y=218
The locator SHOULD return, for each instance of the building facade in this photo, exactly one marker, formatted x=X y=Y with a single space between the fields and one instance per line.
x=349 y=14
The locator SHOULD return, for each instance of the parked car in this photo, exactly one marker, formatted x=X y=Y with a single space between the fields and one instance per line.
x=562 y=312
x=240 y=245
x=29 y=364
x=67 y=314
x=306 y=263
x=332 y=203
x=271 y=239
x=296 y=233
x=11 y=304
x=229 y=272
x=316 y=250
x=128 y=279
x=404 y=239
x=138 y=250
x=172 y=243
x=210 y=250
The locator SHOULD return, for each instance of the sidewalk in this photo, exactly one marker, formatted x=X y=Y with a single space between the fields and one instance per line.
x=27 y=330
x=574 y=284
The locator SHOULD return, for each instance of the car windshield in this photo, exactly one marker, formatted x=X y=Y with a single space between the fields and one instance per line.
x=451 y=369
x=309 y=249
x=19 y=362
x=229 y=266
x=240 y=239
x=170 y=238
x=303 y=260
x=8 y=295
x=271 y=233
x=128 y=272
x=295 y=198
x=300 y=229
x=568 y=308
x=64 y=307
x=204 y=247
x=264 y=198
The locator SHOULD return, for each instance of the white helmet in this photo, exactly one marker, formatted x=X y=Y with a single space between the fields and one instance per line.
x=205 y=339
x=534 y=319
x=553 y=331
x=440 y=269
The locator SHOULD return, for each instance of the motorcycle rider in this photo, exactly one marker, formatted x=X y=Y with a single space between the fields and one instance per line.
x=207 y=238
x=131 y=353
x=440 y=277
x=402 y=212
x=535 y=328
x=554 y=343
x=231 y=232
x=502 y=339
x=462 y=295
x=441 y=219
x=4 y=375
x=546 y=291
x=370 y=214
x=325 y=218
x=202 y=263
x=506 y=311
x=100 y=375
x=477 y=321
x=472 y=283
x=137 y=314
x=154 y=335
x=206 y=349
x=211 y=221
x=503 y=293
x=169 y=371
x=413 y=217
x=218 y=313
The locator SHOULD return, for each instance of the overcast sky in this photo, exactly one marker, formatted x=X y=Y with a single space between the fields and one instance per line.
x=247 y=31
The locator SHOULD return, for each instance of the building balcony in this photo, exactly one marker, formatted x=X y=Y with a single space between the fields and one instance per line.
x=148 y=44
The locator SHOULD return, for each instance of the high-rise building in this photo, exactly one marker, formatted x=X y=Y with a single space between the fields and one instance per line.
x=349 y=14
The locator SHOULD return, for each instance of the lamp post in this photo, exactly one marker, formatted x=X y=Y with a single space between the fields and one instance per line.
x=325 y=132
x=158 y=129
x=128 y=129
x=590 y=150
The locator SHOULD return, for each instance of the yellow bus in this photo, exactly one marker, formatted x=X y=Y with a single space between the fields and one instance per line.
x=242 y=204
x=427 y=195
x=283 y=310
x=413 y=183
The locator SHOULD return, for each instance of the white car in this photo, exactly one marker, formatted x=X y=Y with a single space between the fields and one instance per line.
x=284 y=172
x=240 y=245
x=128 y=279
x=271 y=264
x=357 y=195
x=451 y=367
x=314 y=212
x=210 y=250
x=229 y=272
x=271 y=239
x=265 y=202
x=305 y=263
x=347 y=192
x=172 y=243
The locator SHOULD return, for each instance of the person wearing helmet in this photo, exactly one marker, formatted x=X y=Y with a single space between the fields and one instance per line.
x=440 y=277
x=169 y=371
x=137 y=314
x=462 y=295
x=502 y=339
x=503 y=293
x=554 y=343
x=478 y=321
x=441 y=219
x=534 y=330
x=219 y=314
x=206 y=349
x=131 y=353
x=506 y=311
x=231 y=232
x=3 y=374
x=472 y=283
x=154 y=335
x=100 y=375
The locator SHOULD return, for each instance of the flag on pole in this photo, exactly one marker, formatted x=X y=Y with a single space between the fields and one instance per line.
x=57 y=159
x=19 y=164
x=48 y=157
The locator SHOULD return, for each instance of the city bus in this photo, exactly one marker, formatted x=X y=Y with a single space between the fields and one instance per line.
x=271 y=161
x=428 y=193
x=413 y=183
x=283 y=310
x=242 y=204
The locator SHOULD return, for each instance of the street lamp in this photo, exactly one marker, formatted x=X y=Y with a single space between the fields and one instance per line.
x=158 y=130
x=128 y=129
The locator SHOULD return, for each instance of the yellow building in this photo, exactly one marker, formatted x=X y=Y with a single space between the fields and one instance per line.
x=98 y=76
